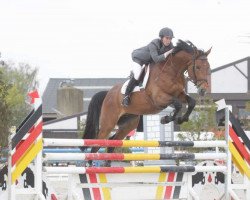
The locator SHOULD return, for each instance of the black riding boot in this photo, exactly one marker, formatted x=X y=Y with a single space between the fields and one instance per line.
x=131 y=85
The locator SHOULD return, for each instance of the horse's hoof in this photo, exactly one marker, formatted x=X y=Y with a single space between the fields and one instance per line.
x=82 y=149
x=180 y=120
x=89 y=164
x=163 y=121
x=107 y=164
x=166 y=119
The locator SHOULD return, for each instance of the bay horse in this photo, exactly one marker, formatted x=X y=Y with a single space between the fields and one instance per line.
x=165 y=87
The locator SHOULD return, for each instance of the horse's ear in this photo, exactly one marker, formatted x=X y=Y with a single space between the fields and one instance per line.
x=208 y=52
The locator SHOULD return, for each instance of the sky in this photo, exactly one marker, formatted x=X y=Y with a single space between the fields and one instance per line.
x=83 y=39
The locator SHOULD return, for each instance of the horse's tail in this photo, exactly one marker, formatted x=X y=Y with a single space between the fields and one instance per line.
x=94 y=110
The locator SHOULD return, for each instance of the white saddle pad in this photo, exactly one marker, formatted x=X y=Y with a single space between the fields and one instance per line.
x=137 y=88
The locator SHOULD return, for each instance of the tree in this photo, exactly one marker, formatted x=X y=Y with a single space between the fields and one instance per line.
x=245 y=120
x=248 y=106
x=201 y=121
x=202 y=118
x=4 y=110
x=20 y=79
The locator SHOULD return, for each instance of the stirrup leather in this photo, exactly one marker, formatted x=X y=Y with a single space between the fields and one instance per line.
x=126 y=100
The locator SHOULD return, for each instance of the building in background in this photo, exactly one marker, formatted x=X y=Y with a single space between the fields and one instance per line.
x=89 y=86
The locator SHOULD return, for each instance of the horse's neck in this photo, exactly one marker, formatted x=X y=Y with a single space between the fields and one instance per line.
x=174 y=67
x=170 y=70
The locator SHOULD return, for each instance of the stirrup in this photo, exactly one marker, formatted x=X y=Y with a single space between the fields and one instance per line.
x=126 y=101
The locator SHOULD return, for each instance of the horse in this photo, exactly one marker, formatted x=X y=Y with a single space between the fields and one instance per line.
x=165 y=87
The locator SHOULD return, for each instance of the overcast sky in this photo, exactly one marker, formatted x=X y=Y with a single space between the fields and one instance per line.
x=95 y=38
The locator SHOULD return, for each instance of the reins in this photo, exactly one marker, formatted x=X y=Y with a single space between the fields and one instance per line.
x=164 y=66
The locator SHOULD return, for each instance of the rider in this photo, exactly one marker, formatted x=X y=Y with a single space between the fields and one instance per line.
x=156 y=51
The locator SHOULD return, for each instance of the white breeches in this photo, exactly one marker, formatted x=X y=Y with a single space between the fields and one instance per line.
x=136 y=69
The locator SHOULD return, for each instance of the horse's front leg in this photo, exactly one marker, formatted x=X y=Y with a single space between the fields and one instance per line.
x=191 y=104
x=177 y=106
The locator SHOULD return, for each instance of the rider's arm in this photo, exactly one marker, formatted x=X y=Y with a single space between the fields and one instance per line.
x=153 y=49
x=168 y=52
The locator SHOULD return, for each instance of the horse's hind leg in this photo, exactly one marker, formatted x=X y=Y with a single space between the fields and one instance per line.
x=107 y=125
x=122 y=132
x=103 y=135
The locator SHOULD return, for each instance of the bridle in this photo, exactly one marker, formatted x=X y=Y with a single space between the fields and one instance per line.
x=195 y=80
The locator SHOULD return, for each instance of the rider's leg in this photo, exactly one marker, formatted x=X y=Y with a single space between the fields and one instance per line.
x=136 y=71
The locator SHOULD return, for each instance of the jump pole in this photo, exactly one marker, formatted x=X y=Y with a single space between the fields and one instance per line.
x=121 y=170
x=123 y=156
x=130 y=143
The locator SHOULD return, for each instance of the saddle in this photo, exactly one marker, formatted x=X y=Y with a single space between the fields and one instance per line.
x=143 y=79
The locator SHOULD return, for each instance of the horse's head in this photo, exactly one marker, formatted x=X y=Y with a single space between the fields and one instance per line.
x=196 y=64
x=199 y=69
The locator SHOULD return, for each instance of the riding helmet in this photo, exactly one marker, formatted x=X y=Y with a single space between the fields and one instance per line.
x=166 y=32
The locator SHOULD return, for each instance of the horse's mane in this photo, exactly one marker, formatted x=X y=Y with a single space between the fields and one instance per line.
x=187 y=46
